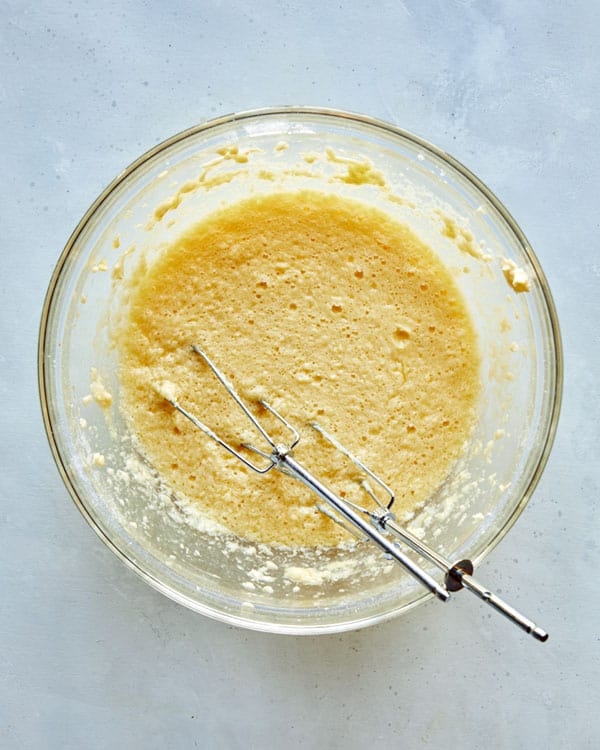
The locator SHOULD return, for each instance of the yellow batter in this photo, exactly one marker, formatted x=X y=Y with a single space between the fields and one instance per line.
x=330 y=311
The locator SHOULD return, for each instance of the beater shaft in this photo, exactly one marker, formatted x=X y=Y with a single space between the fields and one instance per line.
x=459 y=576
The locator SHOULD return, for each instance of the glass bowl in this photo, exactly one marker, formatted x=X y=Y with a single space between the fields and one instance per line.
x=177 y=183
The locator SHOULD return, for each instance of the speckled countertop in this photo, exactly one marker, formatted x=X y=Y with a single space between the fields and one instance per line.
x=91 y=656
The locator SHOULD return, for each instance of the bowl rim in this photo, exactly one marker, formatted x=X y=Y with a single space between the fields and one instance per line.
x=360 y=119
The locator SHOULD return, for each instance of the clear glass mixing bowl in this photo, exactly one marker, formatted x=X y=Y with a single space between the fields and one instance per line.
x=173 y=186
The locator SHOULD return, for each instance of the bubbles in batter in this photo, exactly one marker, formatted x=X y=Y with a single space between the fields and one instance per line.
x=332 y=312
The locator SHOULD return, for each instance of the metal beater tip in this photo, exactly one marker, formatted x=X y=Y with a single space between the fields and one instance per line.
x=375 y=524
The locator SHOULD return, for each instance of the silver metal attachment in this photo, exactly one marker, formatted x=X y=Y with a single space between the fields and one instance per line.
x=377 y=524
x=457 y=575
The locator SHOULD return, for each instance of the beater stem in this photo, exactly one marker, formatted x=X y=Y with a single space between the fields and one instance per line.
x=459 y=576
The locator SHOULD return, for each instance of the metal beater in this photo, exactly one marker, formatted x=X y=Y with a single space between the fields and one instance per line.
x=377 y=525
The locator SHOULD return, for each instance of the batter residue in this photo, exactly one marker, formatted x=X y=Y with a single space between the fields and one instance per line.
x=332 y=312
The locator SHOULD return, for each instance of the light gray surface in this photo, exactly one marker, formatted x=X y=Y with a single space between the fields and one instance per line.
x=90 y=657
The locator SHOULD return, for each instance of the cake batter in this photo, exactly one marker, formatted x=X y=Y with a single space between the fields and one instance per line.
x=332 y=312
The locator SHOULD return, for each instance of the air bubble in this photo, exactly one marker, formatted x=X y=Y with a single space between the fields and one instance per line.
x=401 y=334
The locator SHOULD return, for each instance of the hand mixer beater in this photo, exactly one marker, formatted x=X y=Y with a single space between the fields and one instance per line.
x=376 y=523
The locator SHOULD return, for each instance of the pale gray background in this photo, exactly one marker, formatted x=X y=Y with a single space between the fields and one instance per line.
x=90 y=657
